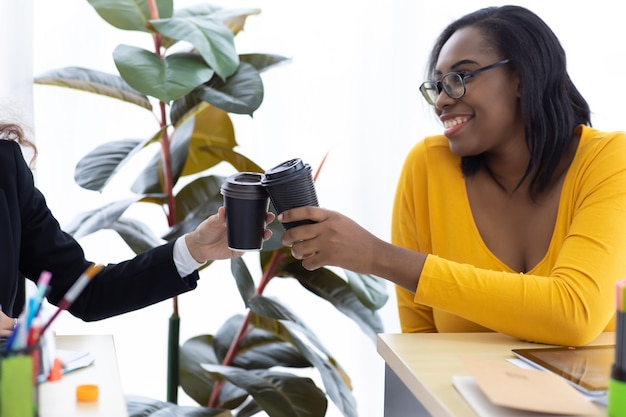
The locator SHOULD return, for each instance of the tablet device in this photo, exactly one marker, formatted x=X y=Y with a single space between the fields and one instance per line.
x=587 y=368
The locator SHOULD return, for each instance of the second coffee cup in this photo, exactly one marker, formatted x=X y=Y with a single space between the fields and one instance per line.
x=246 y=203
x=290 y=185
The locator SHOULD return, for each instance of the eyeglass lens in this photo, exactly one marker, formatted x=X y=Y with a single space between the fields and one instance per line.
x=452 y=83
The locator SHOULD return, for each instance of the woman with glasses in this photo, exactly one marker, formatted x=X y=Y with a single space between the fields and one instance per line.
x=514 y=219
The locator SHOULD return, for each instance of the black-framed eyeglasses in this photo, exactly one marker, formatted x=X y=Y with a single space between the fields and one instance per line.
x=453 y=83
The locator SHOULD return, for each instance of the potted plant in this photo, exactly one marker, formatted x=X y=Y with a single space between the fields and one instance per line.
x=191 y=80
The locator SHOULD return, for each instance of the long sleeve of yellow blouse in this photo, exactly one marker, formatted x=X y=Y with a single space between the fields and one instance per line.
x=567 y=299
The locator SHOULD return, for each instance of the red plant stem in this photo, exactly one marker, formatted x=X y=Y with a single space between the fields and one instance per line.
x=156 y=37
x=244 y=329
x=229 y=358
x=154 y=11
x=168 y=181
x=319 y=169
x=270 y=271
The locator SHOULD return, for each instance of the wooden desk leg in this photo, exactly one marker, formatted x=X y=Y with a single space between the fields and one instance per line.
x=399 y=401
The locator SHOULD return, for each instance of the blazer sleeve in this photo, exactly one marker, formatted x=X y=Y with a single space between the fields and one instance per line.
x=148 y=278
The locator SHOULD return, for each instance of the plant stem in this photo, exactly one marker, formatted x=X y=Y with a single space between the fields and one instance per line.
x=244 y=329
x=270 y=271
x=168 y=183
x=229 y=358
x=156 y=37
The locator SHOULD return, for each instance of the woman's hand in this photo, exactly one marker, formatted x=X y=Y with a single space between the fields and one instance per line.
x=333 y=239
x=209 y=240
x=336 y=240
x=7 y=324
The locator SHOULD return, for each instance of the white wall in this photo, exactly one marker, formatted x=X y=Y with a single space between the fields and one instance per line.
x=16 y=88
x=351 y=90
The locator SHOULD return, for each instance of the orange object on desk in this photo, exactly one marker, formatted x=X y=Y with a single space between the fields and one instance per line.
x=87 y=393
x=56 y=372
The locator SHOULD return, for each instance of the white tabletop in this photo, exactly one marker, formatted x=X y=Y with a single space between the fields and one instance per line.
x=58 y=398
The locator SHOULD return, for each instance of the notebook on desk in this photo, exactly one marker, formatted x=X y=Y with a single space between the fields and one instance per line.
x=471 y=392
x=587 y=368
x=498 y=388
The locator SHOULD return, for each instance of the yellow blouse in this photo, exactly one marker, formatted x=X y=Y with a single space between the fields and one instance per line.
x=567 y=299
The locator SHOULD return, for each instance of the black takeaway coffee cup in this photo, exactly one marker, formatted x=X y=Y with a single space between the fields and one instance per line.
x=290 y=185
x=246 y=203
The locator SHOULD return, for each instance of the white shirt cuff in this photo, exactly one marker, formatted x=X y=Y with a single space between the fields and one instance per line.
x=185 y=264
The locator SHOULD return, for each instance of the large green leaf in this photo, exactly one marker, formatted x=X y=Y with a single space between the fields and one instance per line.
x=96 y=82
x=336 y=380
x=194 y=203
x=238 y=161
x=137 y=235
x=244 y=280
x=271 y=308
x=263 y=62
x=187 y=106
x=241 y=93
x=199 y=9
x=138 y=406
x=234 y=19
x=212 y=125
x=212 y=128
x=275 y=241
x=131 y=14
x=260 y=349
x=150 y=180
x=192 y=199
x=250 y=409
x=279 y=394
x=191 y=223
x=370 y=289
x=166 y=78
x=273 y=319
x=93 y=220
x=336 y=388
x=195 y=381
x=211 y=38
x=338 y=293
x=98 y=167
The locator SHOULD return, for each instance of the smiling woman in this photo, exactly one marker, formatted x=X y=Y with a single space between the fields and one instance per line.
x=495 y=223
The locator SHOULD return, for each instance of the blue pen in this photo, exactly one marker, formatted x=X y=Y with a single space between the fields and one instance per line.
x=34 y=304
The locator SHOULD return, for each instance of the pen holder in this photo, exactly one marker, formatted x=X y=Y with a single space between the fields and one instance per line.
x=617 y=393
x=19 y=389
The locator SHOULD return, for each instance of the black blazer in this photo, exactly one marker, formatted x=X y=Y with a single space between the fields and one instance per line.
x=31 y=241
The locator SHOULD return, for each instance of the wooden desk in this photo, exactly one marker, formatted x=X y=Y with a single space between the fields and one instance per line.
x=58 y=398
x=420 y=366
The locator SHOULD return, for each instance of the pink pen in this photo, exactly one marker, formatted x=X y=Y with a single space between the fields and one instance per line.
x=74 y=292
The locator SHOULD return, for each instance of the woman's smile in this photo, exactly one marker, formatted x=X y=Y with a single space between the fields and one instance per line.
x=453 y=125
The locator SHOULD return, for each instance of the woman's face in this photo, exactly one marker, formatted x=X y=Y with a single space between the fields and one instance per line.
x=487 y=118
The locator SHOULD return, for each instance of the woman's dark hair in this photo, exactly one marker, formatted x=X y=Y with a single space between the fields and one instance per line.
x=552 y=108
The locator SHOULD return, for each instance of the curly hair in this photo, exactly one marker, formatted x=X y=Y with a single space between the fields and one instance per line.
x=15 y=132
